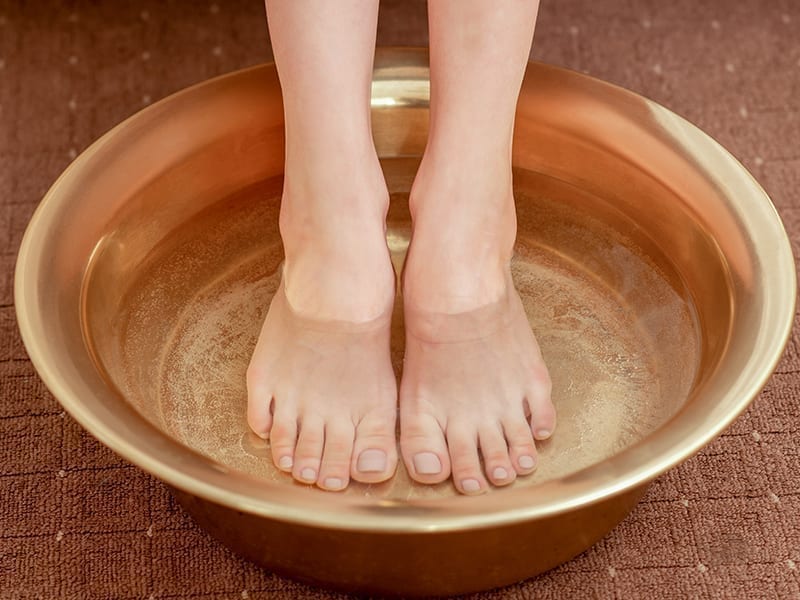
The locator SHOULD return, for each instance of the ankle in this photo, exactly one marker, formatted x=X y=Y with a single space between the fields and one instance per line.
x=320 y=197
x=463 y=181
x=465 y=204
x=464 y=229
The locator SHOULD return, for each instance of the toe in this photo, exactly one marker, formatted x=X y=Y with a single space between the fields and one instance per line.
x=375 y=449
x=466 y=466
x=283 y=438
x=259 y=406
x=543 y=413
x=424 y=449
x=308 y=453
x=496 y=462
x=521 y=448
x=334 y=472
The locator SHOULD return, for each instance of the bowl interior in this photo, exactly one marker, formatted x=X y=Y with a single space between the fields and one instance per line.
x=614 y=318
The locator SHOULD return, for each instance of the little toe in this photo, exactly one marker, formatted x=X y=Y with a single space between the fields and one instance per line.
x=259 y=408
x=374 y=456
x=308 y=453
x=521 y=447
x=283 y=438
x=543 y=413
x=334 y=472
x=424 y=449
x=496 y=461
x=466 y=466
x=543 y=419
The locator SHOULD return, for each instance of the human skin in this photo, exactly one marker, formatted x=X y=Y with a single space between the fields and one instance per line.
x=474 y=383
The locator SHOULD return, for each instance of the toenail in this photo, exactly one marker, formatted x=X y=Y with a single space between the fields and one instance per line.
x=333 y=483
x=372 y=461
x=526 y=462
x=263 y=436
x=427 y=463
x=543 y=433
x=470 y=485
x=285 y=462
x=308 y=474
x=499 y=473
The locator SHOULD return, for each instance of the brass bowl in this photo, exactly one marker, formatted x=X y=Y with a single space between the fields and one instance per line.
x=656 y=272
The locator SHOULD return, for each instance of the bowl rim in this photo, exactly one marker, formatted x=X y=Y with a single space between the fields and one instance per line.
x=633 y=467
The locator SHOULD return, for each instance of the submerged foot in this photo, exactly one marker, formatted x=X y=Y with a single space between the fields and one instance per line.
x=474 y=383
x=320 y=382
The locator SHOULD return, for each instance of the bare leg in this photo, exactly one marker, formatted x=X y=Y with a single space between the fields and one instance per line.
x=320 y=383
x=474 y=382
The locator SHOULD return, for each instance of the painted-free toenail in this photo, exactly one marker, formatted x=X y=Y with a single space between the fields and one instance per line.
x=263 y=436
x=308 y=474
x=372 y=461
x=471 y=485
x=543 y=433
x=334 y=483
x=285 y=462
x=427 y=463
x=500 y=473
x=526 y=462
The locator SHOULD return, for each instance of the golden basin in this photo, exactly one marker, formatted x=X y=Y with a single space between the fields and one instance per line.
x=655 y=271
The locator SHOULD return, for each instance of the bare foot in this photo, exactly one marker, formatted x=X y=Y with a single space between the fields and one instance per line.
x=320 y=383
x=474 y=381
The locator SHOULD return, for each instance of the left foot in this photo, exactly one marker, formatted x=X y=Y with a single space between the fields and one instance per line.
x=474 y=382
x=320 y=382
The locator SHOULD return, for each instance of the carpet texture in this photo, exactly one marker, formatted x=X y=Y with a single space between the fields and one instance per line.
x=76 y=521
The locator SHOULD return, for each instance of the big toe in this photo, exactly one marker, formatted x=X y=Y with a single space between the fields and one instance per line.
x=424 y=448
x=375 y=450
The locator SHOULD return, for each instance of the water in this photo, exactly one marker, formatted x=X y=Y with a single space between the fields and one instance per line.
x=611 y=316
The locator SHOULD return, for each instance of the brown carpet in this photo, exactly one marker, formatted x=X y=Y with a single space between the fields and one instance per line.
x=78 y=522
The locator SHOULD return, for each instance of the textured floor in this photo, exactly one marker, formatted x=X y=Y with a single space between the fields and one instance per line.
x=78 y=522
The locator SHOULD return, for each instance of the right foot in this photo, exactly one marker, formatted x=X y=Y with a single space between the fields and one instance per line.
x=474 y=380
x=320 y=382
